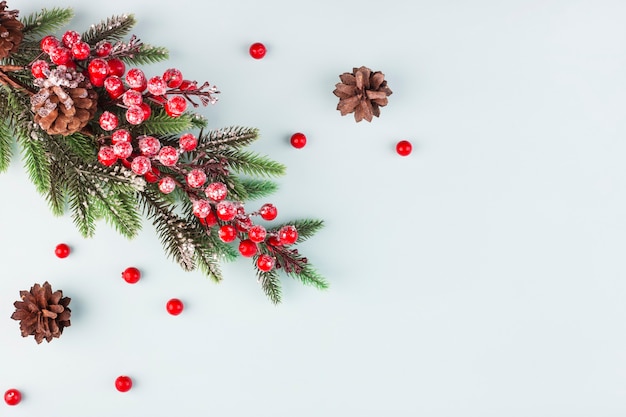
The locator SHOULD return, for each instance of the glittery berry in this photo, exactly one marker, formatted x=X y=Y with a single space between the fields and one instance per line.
x=404 y=148
x=226 y=211
x=167 y=185
x=257 y=50
x=114 y=86
x=173 y=77
x=123 y=383
x=174 y=306
x=247 y=248
x=135 y=115
x=201 y=208
x=265 y=262
x=196 y=178
x=149 y=146
x=132 y=98
x=116 y=67
x=268 y=212
x=216 y=191
x=60 y=55
x=140 y=165
x=288 y=235
x=298 y=140
x=62 y=250
x=168 y=156
x=108 y=121
x=106 y=156
x=121 y=135
x=70 y=38
x=98 y=68
x=175 y=106
x=257 y=233
x=48 y=43
x=81 y=51
x=40 y=69
x=103 y=48
x=12 y=397
x=227 y=233
x=157 y=86
x=136 y=79
x=188 y=142
x=123 y=149
x=131 y=275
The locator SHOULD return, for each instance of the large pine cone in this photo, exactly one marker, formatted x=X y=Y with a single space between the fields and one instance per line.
x=363 y=92
x=10 y=31
x=65 y=103
x=42 y=313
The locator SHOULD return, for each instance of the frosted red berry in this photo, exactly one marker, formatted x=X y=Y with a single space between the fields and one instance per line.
x=265 y=262
x=60 y=55
x=210 y=220
x=188 y=85
x=167 y=185
x=227 y=233
x=136 y=79
x=257 y=233
x=62 y=250
x=123 y=149
x=157 y=86
x=288 y=235
x=216 y=191
x=81 y=51
x=123 y=383
x=247 y=248
x=106 y=156
x=244 y=224
x=298 y=140
x=173 y=77
x=12 y=397
x=116 y=67
x=48 y=43
x=121 y=135
x=273 y=241
x=135 y=115
x=168 y=156
x=225 y=211
x=268 y=212
x=108 y=121
x=98 y=68
x=40 y=69
x=149 y=145
x=201 y=208
x=114 y=86
x=132 y=98
x=70 y=38
x=131 y=275
x=196 y=178
x=175 y=106
x=257 y=50
x=174 y=306
x=103 y=48
x=404 y=148
x=188 y=142
x=140 y=165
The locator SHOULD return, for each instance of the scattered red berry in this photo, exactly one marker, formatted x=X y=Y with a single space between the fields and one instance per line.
x=131 y=275
x=210 y=220
x=268 y=212
x=227 y=233
x=12 y=397
x=106 y=156
x=123 y=383
x=188 y=142
x=404 y=148
x=132 y=98
x=174 y=306
x=147 y=111
x=257 y=233
x=265 y=262
x=216 y=191
x=173 y=77
x=62 y=250
x=247 y=248
x=257 y=50
x=288 y=235
x=298 y=140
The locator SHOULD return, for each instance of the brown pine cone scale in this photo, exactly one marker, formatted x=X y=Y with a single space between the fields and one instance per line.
x=10 y=31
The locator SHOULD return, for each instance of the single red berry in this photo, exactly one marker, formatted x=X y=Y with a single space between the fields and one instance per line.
x=404 y=148
x=132 y=98
x=157 y=86
x=151 y=177
x=298 y=140
x=227 y=233
x=123 y=149
x=96 y=81
x=149 y=146
x=114 y=86
x=216 y=191
x=265 y=262
x=103 y=49
x=247 y=248
x=81 y=50
x=60 y=55
x=116 y=67
x=168 y=156
x=244 y=224
x=288 y=235
x=98 y=68
x=257 y=233
x=12 y=397
x=40 y=69
x=62 y=250
x=174 y=306
x=108 y=121
x=268 y=212
x=257 y=50
x=188 y=85
x=106 y=156
x=121 y=135
x=167 y=185
x=188 y=142
x=175 y=106
x=140 y=165
x=131 y=275
x=201 y=208
x=226 y=211
x=147 y=111
x=135 y=115
x=48 y=43
x=70 y=38
x=196 y=178
x=173 y=77
x=136 y=79
x=274 y=241
x=210 y=220
x=123 y=383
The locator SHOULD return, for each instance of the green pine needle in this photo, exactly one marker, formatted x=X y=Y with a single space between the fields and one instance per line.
x=57 y=192
x=147 y=55
x=6 y=145
x=230 y=137
x=270 y=282
x=309 y=276
x=258 y=188
x=46 y=21
x=160 y=123
x=81 y=146
x=36 y=162
x=251 y=163
x=112 y=29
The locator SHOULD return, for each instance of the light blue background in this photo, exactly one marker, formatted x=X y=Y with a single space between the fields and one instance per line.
x=483 y=275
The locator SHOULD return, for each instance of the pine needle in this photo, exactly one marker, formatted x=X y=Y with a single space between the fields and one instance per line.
x=46 y=21
x=270 y=282
x=112 y=29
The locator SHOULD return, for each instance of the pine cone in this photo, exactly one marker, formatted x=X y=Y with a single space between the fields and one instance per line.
x=363 y=92
x=10 y=31
x=42 y=313
x=65 y=103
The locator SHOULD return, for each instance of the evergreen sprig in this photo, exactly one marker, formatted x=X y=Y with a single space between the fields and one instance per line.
x=112 y=29
x=46 y=21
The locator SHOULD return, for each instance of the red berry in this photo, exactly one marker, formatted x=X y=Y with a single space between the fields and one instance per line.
x=131 y=275
x=12 y=397
x=81 y=50
x=216 y=191
x=62 y=250
x=288 y=235
x=174 y=306
x=196 y=178
x=188 y=85
x=247 y=248
x=116 y=67
x=98 y=68
x=168 y=156
x=243 y=225
x=157 y=86
x=136 y=79
x=257 y=50
x=404 y=148
x=140 y=165
x=227 y=233
x=298 y=140
x=188 y=142
x=123 y=149
x=60 y=55
x=226 y=211
x=70 y=38
x=40 y=69
x=103 y=48
x=268 y=212
x=121 y=135
x=175 y=106
x=108 y=121
x=114 y=86
x=135 y=115
x=147 y=111
x=173 y=78
x=96 y=81
x=123 y=383
x=257 y=233
x=210 y=220
x=265 y=262
x=48 y=43
x=149 y=146
x=152 y=176
x=201 y=208
x=106 y=156
x=132 y=98
x=167 y=185
x=274 y=241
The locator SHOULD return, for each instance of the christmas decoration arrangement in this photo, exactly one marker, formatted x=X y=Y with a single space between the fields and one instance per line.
x=104 y=140
x=362 y=92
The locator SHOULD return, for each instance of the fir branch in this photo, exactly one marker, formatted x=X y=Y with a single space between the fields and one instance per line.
x=6 y=145
x=251 y=163
x=230 y=137
x=309 y=276
x=113 y=28
x=35 y=160
x=83 y=214
x=119 y=209
x=257 y=188
x=270 y=282
x=305 y=227
x=82 y=146
x=160 y=123
x=46 y=21
x=147 y=54
x=56 y=195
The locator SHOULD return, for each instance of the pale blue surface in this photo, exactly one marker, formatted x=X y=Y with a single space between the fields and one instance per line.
x=484 y=275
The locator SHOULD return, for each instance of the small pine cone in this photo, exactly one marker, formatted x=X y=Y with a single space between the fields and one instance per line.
x=65 y=103
x=10 y=31
x=42 y=313
x=363 y=92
